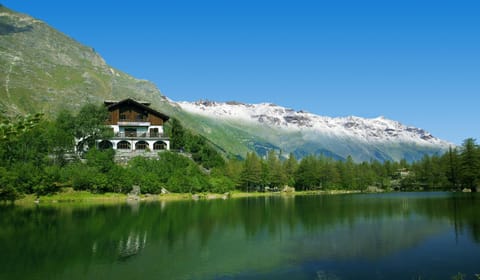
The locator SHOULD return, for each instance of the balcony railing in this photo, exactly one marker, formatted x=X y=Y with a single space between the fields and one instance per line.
x=136 y=135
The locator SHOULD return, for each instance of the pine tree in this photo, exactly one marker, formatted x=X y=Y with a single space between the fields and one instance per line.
x=307 y=175
x=252 y=172
x=290 y=167
x=453 y=166
x=276 y=175
x=469 y=164
x=177 y=134
x=347 y=173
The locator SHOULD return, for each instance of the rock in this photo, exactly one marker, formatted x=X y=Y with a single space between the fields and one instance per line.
x=212 y=196
x=226 y=195
x=373 y=189
x=288 y=189
x=134 y=194
x=135 y=190
x=164 y=191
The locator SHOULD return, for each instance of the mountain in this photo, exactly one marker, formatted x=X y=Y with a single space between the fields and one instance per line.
x=43 y=70
x=303 y=133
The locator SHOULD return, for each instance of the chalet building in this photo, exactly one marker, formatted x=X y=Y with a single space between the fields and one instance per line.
x=136 y=127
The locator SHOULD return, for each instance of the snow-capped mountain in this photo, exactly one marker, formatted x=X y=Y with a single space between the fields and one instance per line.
x=302 y=132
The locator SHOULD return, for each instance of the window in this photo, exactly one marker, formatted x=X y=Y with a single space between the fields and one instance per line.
x=141 y=117
x=130 y=132
x=154 y=132
x=123 y=114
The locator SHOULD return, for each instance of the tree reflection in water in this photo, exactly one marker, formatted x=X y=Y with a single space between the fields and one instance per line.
x=206 y=239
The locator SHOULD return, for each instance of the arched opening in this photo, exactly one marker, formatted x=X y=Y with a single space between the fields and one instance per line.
x=159 y=145
x=123 y=145
x=141 y=145
x=105 y=145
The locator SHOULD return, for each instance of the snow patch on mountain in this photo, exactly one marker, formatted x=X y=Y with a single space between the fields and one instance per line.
x=377 y=129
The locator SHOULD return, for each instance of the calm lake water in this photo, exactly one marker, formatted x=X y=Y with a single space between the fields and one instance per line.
x=363 y=236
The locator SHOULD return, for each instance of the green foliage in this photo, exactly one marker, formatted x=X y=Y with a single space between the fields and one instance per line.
x=101 y=160
x=275 y=174
x=452 y=165
x=80 y=177
x=290 y=167
x=177 y=134
x=469 y=163
x=15 y=137
x=88 y=126
x=175 y=172
x=252 y=173
x=7 y=185
x=36 y=158
x=200 y=149
x=307 y=176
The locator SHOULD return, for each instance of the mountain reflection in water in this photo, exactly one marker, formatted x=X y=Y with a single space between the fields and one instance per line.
x=380 y=236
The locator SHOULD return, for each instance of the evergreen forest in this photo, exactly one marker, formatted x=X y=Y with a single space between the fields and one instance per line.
x=40 y=156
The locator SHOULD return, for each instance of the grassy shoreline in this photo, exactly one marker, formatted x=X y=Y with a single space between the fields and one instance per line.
x=84 y=197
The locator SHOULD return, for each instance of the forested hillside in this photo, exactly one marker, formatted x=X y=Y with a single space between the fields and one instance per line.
x=36 y=157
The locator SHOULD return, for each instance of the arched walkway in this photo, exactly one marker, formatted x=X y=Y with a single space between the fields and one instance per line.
x=105 y=144
x=124 y=145
x=141 y=145
x=159 y=145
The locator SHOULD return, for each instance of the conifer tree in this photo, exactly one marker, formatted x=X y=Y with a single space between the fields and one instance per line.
x=276 y=174
x=252 y=172
x=469 y=164
x=290 y=167
x=453 y=166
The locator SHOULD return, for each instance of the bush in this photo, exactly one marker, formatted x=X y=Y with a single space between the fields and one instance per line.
x=7 y=190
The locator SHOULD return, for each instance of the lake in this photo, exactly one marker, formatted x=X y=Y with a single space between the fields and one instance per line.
x=361 y=236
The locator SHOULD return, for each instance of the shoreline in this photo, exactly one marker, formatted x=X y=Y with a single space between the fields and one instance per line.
x=71 y=197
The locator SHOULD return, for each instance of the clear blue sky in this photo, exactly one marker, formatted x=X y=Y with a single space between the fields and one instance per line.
x=414 y=61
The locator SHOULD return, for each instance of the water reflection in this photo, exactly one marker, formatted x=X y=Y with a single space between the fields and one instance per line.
x=244 y=238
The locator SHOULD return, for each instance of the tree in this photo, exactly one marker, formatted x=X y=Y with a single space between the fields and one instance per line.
x=329 y=176
x=469 y=164
x=11 y=133
x=198 y=146
x=275 y=174
x=60 y=137
x=290 y=167
x=347 y=173
x=177 y=134
x=90 y=126
x=453 y=166
x=252 y=172
x=102 y=160
x=307 y=175
x=7 y=190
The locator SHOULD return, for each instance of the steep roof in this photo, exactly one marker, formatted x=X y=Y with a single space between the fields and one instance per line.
x=112 y=105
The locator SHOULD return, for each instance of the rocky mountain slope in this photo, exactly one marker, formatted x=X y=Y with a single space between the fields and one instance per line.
x=304 y=133
x=43 y=70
